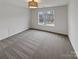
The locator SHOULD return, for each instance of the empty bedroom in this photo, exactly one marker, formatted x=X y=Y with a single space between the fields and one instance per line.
x=38 y=29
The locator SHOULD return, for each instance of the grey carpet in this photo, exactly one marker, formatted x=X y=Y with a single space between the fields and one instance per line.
x=34 y=44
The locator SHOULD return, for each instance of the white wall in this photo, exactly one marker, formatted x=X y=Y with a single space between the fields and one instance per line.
x=73 y=24
x=14 y=17
x=60 y=19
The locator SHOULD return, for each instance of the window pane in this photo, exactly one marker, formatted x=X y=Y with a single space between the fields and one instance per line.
x=46 y=18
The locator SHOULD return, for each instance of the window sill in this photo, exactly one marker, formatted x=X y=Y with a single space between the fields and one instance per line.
x=52 y=25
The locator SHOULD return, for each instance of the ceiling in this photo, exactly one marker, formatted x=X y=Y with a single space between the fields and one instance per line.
x=51 y=3
x=42 y=3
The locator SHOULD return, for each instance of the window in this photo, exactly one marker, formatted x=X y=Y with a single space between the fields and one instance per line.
x=46 y=18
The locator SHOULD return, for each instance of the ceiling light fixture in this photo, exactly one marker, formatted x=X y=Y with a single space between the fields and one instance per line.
x=33 y=4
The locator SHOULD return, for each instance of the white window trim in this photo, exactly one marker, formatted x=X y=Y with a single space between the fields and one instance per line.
x=42 y=24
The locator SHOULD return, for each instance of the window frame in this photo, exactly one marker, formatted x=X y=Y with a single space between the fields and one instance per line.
x=43 y=12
